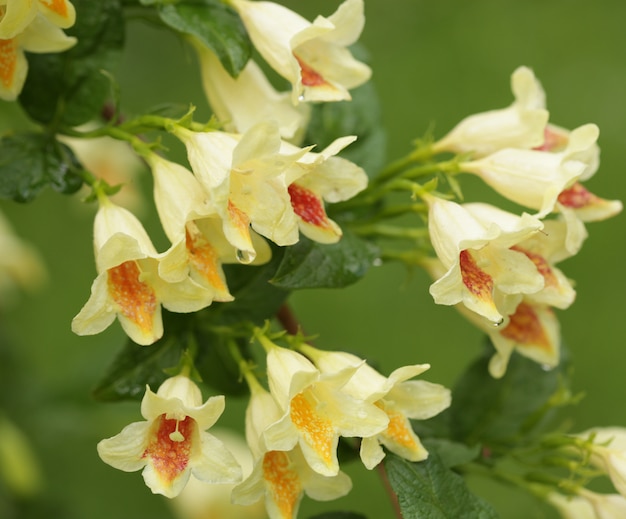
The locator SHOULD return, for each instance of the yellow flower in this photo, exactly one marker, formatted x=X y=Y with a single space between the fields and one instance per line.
x=31 y=27
x=173 y=443
x=128 y=284
x=312 y=56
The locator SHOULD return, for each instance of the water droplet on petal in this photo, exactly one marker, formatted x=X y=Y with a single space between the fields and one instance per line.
x=244 y=256
x=301 y=97
x=378 y=262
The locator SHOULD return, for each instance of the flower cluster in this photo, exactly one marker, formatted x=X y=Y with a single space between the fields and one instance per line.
x=245 y=184
x=34 y=26
x=498 y=267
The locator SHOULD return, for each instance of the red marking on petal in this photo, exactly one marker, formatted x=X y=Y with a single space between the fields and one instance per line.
x=238 y=217
x=8 y=61
x=477 y=281
x=203 y=258
x=526 y=328
x=284 y=484
x=577 y=197
x=552 y=141
x=310 y=77
x=168 y=457
x=136 y=299
x=543 y=267
x=308 y=206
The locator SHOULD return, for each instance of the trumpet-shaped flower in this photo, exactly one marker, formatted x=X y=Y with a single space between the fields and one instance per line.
x=241 y=102
x=128 y=284
x=521 y=125
x=535 y=178
x=316 y=411
x=319 y=177
x=571 y=507
x=312 y=56
x=482 y=270
x=199 y=247
x=532 y=330
x=400 y=398
x=244 y=176
x=39 y=36
x=16 y=15
x=173 y=443
x=282 y=477
x=543 y=249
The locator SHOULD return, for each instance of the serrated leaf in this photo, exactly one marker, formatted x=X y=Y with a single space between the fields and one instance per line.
x=216 y=25
x=488 y=410
x=361 y=117
x=339 y=515
x=69 y=87
x=429 y=490
x=309 y=264
x=31 y=161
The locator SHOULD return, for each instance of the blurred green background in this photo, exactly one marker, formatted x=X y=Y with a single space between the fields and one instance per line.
x=434 y=63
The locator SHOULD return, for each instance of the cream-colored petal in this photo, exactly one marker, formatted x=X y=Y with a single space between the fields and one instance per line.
x=13 y=69
x=215 y=463
x=41 y=36
x=419 y=399
x=125 y=450
x=17 y=16
x=98 y=312
x=371 y=452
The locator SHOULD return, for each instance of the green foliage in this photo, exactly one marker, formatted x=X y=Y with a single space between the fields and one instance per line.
x=309 y=264
x=215 y=25
x=71 y=87
x=31 y=161
x=430 y=490
x=360 y=117
x=494 y=411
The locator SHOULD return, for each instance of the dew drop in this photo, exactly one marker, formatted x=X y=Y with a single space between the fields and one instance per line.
x=244 y=256
x=378 y=262
x=301 y=97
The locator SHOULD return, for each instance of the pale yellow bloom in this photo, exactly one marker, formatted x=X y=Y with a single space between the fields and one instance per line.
x=15 y=15
x=312 y=56
x=482 y=270
x=608 y=453
x=520 y=125
x=172 y=444
x=39 y=35
x=400 y=398
x=315 y=410
x=241 y=102
x=128 y=285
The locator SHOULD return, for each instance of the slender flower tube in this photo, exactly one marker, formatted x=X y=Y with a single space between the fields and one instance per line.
x=482 y=270
x=248 y=99
x=38 y=36
x=128 y=284
x=312 y=56
x=244 y=176
x=605 y=506
x=400 y=398
x=316 y=411
x=319 y=177
x=173 y=443
x=535 y=178
x=199 y=247
x=281 y=477
x=520 y=125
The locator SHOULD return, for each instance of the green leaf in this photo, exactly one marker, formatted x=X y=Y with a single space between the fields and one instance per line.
x=488 y=410
x=361 y=117
x=137 y=366
x=216 y=25
x=309 y=264
x=429 y=490
x=338 y=515
x=31 y=161
x=69 y=87
x=452 y=454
